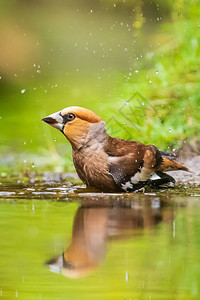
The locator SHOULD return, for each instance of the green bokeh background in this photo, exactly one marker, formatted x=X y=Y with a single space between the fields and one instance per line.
x=135 y=63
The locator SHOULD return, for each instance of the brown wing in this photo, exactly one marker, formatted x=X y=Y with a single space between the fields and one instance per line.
x=131 y=162
x=119 y=147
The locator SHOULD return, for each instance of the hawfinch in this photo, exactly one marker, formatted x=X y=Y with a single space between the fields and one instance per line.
x=106 y=163
x=95 y=226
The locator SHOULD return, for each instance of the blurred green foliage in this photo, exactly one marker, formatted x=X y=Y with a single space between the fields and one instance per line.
x=135 y=63
x=171 y=87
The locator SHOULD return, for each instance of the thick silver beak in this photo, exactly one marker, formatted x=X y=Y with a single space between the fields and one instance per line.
x=55 y=120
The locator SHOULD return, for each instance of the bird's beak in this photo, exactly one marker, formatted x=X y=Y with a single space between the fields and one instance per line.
x=55 y=120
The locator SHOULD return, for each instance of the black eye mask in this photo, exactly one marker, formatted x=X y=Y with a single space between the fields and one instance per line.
x=68 y=117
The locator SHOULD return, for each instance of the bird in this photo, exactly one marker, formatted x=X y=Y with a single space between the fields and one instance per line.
x=95 y=225
x=110 y=164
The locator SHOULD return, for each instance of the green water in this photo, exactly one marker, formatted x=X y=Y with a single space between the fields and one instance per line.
x=140 y=246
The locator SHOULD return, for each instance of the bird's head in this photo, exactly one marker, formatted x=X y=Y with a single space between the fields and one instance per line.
x=80 y=125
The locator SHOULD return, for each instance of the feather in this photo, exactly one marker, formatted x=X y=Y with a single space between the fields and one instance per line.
x=169 y=165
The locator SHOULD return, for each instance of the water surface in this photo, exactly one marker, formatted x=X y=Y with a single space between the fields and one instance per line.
x=96 y=246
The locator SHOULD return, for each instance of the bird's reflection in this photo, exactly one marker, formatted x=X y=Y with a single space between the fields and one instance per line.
x=94 y=226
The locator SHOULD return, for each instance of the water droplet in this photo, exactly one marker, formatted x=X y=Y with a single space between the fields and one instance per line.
x=136 y=71
x=23 y=91
x=156 y=72
x=170 y=130
x=174 y=229
x=126 y=276
x=150 y=81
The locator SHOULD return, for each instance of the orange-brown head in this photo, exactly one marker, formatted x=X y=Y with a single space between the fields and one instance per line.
x=79 y=125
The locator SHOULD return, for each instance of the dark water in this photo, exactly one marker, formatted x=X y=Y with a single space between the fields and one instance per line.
x=97 y=246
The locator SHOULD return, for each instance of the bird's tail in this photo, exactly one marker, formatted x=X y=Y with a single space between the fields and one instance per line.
x=169 y=165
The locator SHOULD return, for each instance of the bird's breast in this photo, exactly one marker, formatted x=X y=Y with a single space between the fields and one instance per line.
x=92 y=167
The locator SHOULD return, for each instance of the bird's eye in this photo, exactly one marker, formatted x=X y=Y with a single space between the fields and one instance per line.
x=68 y=117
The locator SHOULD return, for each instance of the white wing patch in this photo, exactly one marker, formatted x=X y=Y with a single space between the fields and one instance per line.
x=143 y=175
x=126 y=186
